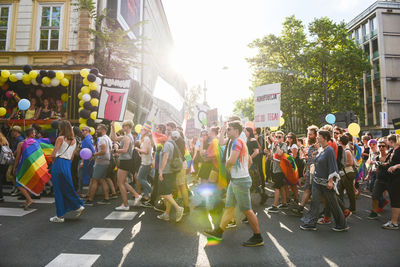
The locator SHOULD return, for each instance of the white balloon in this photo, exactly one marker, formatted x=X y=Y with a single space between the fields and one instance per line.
x=19 y=76
x=98 y=121
x=98 y=80
x=55 y=82
x=86 y=97
x=34 y=82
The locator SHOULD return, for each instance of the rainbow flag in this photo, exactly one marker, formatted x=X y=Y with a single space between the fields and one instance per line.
x=47 y=149
x=159 y=138
x=189 y=161
x=32 y=169
x=359 y=160
x=216 y=152
x=288 y=167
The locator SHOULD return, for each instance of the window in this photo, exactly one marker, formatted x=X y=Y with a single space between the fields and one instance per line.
x=357 y=34
x=365 y=29
x=4 y=24
x=50 y=27
x=372 y=24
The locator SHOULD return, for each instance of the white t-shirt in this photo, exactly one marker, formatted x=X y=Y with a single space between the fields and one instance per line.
x=241 y=168
x=105 y=158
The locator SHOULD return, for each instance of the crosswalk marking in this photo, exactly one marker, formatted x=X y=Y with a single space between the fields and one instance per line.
x=73 y=260
x=106 y=234
x=15 y=212
x=330 y=263
x=42 y=200
x=285 y=227
x=281 y=250
x=202 y=258
x=121 y=215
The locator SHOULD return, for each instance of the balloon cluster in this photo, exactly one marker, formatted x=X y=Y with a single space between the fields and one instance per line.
x=89 y=99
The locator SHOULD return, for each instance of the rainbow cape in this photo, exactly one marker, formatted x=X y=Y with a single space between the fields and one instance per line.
x=215 y=152
x=47 y=149
x=32 y=169
x=289 y=168
x=359 y=160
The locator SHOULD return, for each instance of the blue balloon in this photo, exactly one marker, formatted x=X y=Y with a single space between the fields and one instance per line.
x=24 y=104
x=330 y=118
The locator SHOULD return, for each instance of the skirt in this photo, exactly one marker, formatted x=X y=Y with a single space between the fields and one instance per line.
x=65 y=195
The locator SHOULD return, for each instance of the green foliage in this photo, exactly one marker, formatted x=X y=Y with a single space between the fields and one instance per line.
x=301 y=64
x=245 y=107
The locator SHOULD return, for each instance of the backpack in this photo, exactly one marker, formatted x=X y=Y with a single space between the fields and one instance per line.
x=342 y=158
x=6 y=155
x=176 y=164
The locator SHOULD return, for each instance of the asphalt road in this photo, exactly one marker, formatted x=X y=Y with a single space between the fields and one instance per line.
x=31 y=240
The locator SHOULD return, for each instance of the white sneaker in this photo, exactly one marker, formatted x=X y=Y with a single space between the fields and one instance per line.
x=122 y=207
x=136 y=202
x=163 y=216
x=56 y=219
x=79 y=211
x=179 y=214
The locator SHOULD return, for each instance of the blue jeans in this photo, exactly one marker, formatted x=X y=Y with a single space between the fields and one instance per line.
x=238 y=192
x=144 y=171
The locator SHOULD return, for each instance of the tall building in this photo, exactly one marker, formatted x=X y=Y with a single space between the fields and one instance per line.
x=377 y=31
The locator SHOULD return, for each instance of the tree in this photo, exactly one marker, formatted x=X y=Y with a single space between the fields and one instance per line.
x=305 y=66
x=244 y=107
x=192 y=95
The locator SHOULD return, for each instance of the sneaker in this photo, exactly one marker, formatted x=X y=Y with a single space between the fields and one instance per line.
x=308 y=227
x=146 y=204
x=56 y=219
x=163 y=216
x=283 y=206
x=160 y=207
x=213 y=234
x=347 y=213
x=373 y=215
x=298 y=210
x=104 y=202
x=324 y=220
x=113 y=196
x=337 y=229
x=390 y=226
x=16 y=192
x=232 y=224
x=35 y=197
x=254 y=241
x=89 y=203
x=122 y=207
x=137 y=201
x=179 y=214
x=79 y=211
x=272 y=209
x=186 y=211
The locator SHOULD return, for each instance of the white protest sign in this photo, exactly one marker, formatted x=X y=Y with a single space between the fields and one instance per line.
x=267 y=105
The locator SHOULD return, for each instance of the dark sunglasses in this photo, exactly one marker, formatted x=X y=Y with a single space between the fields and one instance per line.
x=336 y=133
x=381 y=146
x=278 y=136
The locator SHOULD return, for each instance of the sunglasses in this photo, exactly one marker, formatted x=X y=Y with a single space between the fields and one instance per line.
x=381 y=146
x=291 y=137
x=279 y=136
x=336 y=133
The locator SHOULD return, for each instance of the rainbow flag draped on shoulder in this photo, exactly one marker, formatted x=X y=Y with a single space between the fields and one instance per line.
x=216 y=152
x=32 y=169
x=359 y=161
x=47 y=149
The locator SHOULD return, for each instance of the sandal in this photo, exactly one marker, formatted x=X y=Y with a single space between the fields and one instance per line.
x=27 y=206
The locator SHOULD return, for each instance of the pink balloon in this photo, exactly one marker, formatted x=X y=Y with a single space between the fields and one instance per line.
x=85 y=153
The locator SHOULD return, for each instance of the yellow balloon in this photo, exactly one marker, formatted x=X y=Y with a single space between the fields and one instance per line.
x=59 y=75
x=94 y=102
x=281 y=122
x=64 y=97
x=5 y=73
x=85 y=90
x=2 y=79
x=354 y=129
x=2 y=83
x=13 y=78
x=80 y=95
x=82 y=121
x=68 y=76
x=93 y=86
x=81 y=102
x=33 y=74
x=84 y=73
x=82 y=125
x=86 y=81
x=117 y=127
x=26 y=81
x=64 y=82
x=273 y=129
x=92 y=131
x=45 y=80
x=79 y=110
x=3 y=111
x=93 y=115
x=138 y=127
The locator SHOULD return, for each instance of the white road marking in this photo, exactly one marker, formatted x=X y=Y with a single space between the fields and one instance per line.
x=330 y=263
x=285 y=227
x=364 y=195
x=268 y=215
x=73 y=260
x=202 y=258
x=15 y=212
x=107 y=234
x=281 y=250
x=121 y=215
x=125 y=251
x=136 y=229
x=142 y=214
x=42 y=200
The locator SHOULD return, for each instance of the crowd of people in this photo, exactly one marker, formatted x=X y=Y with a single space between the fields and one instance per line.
x=227 y=164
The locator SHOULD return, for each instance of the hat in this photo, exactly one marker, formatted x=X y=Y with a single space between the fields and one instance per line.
x=147 y=127
x=16 y=128
x=372 y=141
x=175 y=135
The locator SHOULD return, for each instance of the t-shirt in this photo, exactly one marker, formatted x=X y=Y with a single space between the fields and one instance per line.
x=167 y=148
x=394 y=160
x=310 y=159
x=276 y=163
x=325 y=166
x=251 y=146
x=241 y=168
x=105 y=158
x=147 y=158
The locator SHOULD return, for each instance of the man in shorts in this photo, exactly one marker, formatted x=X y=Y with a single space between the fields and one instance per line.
x=238 y=192
x=102 y=156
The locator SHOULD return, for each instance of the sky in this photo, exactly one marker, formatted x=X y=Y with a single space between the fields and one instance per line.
x=211 y=38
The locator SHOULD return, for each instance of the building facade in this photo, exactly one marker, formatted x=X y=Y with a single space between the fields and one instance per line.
x=377 y=31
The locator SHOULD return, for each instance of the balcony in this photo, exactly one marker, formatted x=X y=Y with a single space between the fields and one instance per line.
x=374 y=33
x=366 y=37
x=375 y=54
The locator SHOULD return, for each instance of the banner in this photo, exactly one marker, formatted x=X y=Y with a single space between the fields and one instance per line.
x=267 y=105
x=383 y=119
x=200 y=116
x=396 y=125
x=113 y=99
x=212 y=117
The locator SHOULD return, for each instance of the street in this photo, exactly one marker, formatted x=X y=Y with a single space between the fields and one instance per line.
x=103 y=237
